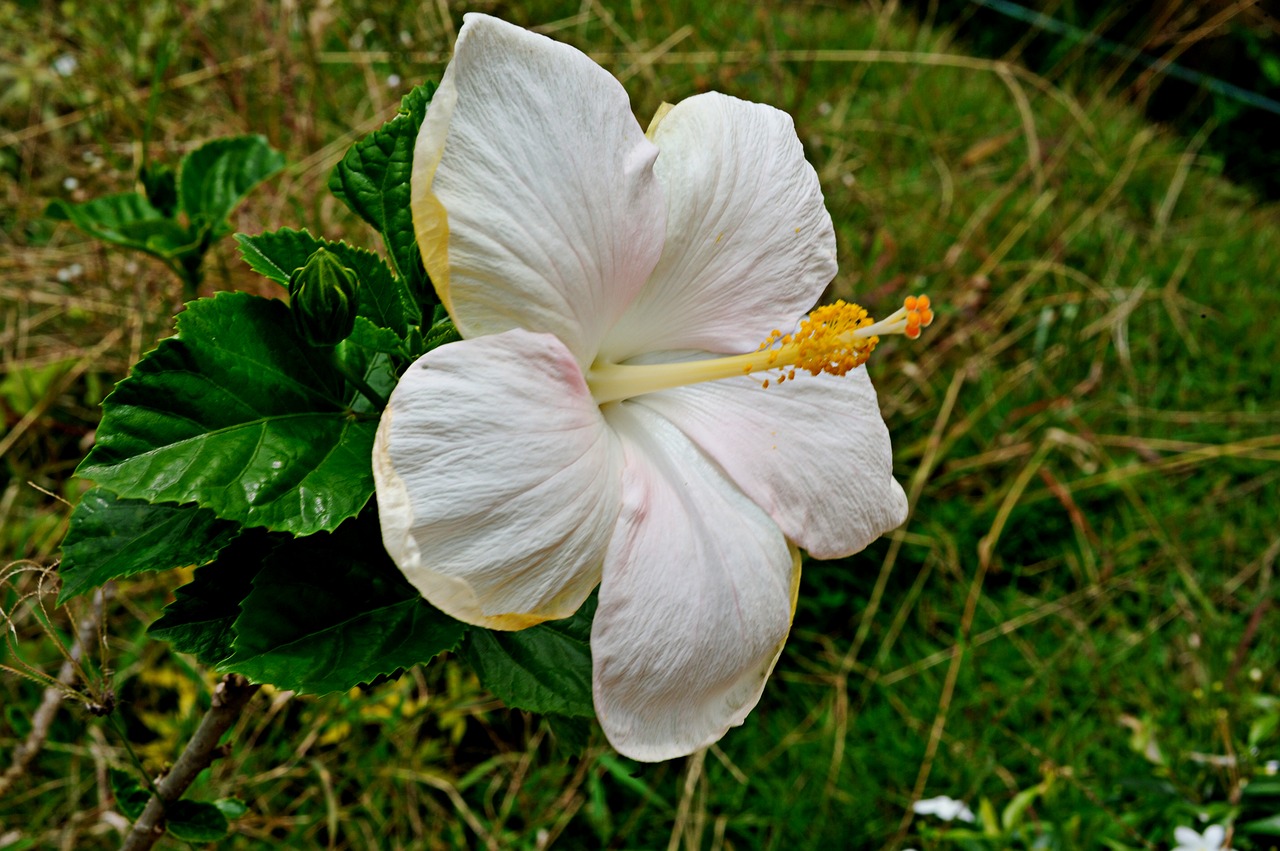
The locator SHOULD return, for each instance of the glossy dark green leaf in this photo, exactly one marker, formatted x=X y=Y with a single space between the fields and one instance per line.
x=384 y=299
x=373 y=180
x=128 y=220
x=131 y=798
x=331 y=611
x=202 y=617
x=239 y=416
x=215 y=177
x=111 y=537
x=195 y=821
x=545 y=669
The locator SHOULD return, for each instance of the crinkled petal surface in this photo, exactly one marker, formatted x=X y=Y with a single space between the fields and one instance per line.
x=696 y=600
x=749 y=244
x=814 y=453
x=497 y=480
x=533 y=193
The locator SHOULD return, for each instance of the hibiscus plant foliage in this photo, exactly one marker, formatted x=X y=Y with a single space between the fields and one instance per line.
x=179 y=216
x=243 y=445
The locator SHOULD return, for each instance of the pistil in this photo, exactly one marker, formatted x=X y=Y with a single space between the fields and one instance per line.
x=834 y=339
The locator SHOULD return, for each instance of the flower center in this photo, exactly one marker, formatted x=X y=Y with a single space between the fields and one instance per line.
x=834 y=339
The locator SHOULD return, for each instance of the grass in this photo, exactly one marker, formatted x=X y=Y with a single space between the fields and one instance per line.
x=1081 y=608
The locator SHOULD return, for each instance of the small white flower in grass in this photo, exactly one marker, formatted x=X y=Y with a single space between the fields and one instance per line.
x=947 y=809
x=1212 y=839
x=604 y=420
x=65 y=65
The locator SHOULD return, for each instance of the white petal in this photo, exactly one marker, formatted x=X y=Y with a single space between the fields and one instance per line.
x=534 y=199
x=497 y=480
x=1188 y=837
x=696 y=600
x=1214 y=835
x=813 y=452
x=749 y=246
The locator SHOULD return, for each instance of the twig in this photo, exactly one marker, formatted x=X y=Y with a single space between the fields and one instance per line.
x=229 y=698
x=43 y=717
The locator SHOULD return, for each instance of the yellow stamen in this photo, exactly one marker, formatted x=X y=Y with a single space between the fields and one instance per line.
x=834 y=339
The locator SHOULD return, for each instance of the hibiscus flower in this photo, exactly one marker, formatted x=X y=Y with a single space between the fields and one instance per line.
x=605 y=419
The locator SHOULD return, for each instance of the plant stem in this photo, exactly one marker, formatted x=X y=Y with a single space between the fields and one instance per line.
x=43 y=717
x=229 y=698
x=358 y=382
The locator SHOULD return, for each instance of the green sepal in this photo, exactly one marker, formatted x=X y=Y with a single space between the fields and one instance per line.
x=214 y=178
x=201 y=619
x=332 y=611
x=109 y=537
x=384 y=299
x=373 y=180
x=237 y=415
x=544 y=669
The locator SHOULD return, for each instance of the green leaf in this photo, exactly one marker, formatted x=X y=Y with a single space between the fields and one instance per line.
x=545 y=669
x=161 y=185
x=195 y=821
x=239 y=416
x=571 y=735
x=375 y=338
x=201 y=619
x=1012 y=814
x=373 y=180
x=216 y=176
x=130 y=797
x=231 y=807
x=384 y=299
x=128 y=220
x=277 y=253
x=111 y=537
x=1269 y=826
x=331 y=611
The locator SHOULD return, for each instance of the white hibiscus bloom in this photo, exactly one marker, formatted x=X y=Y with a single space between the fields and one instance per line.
x=589 y=430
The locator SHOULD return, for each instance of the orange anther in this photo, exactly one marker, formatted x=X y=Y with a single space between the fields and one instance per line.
x=926 y=317
x=923 y=302
x=912 y=332
x=910 y=303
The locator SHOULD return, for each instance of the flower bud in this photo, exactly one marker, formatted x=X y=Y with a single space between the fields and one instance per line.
x=323 y=296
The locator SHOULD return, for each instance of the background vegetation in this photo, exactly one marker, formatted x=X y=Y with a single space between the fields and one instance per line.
x=1075 y=632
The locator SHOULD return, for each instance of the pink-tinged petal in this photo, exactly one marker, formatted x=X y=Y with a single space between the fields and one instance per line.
x=534 y=199
x=497 y=480
x=749 y=246
x=696 y=600
x=813 y=452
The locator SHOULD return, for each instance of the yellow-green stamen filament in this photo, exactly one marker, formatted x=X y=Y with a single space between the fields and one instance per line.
x=834 y=339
